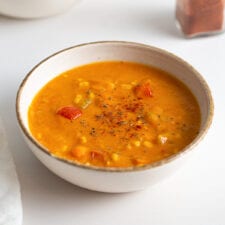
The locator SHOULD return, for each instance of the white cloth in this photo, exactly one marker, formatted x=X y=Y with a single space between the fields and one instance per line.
x=10 y=199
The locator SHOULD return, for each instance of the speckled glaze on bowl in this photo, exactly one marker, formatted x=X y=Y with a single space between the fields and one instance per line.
x=112 y=179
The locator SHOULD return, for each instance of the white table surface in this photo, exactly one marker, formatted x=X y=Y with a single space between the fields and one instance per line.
x=193 y=196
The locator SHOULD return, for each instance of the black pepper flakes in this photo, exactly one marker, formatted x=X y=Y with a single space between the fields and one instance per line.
x=93 y=131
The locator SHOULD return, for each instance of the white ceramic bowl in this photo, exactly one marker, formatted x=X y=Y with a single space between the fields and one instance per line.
x=111 y=179
x=34 y=8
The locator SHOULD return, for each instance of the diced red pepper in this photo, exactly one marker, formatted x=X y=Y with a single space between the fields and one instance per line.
x=69 y=112
x=97 y=155
x=144 y=89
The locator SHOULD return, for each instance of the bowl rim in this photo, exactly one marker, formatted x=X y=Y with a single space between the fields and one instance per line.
x=164 y=161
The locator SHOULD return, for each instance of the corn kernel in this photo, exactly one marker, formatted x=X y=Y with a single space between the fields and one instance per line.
x=65 y=148
x=137 y=143
x=126 y=86
x=152 y=118
x=83 y=139
x=78 y=98
x=139 y=122
x=134 y=83
x=79 y=151
x=148 y=144
x=111 y=85
x=162 y=139
x=139 y=162
x=91 y=95
x=85 y=103
x=39 y=135
x=115 y=157
x=84 y=84
x=128 y=146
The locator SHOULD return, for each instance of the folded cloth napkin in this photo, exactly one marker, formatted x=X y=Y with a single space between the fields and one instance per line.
x=10 y=201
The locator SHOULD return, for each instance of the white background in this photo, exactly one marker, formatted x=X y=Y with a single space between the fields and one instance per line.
x=193 y=196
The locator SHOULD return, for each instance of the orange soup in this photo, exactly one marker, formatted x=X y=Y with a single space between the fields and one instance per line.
x=114 y=114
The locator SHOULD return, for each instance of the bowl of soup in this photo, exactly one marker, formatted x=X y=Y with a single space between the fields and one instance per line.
x=113 y=116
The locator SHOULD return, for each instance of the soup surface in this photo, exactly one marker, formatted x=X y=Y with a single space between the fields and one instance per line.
x=114 y=114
